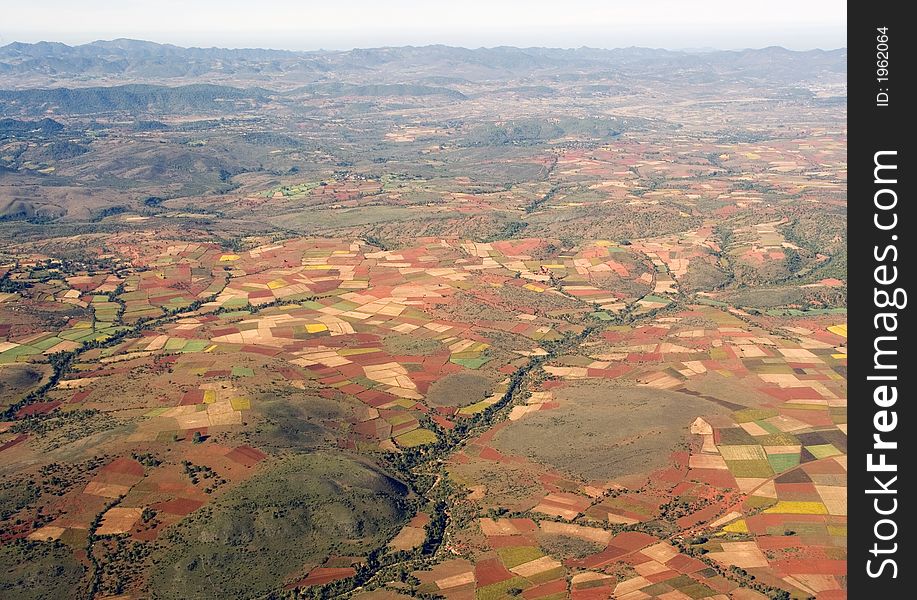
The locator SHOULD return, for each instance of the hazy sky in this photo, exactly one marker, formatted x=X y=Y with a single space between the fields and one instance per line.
x=308 y=25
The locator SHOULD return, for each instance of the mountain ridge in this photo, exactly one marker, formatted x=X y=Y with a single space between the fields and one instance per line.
x=48 y=63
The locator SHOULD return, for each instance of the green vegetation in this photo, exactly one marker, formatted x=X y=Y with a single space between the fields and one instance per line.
x=40 y=571
x=400 y=344
x=259 y=535
x=565 y=546
x=135 y=97
x=459 y=389
x=57 y=429
x=585 y=444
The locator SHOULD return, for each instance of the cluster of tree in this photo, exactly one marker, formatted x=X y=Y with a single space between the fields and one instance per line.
x=108 y=211
x=123 y=561
x=196 y=472
x=680 y=507
x=147 y=459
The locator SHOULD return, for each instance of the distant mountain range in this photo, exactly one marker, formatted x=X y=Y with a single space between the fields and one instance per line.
x=56 y=64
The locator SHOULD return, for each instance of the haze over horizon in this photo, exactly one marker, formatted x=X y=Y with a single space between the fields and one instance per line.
x=283 y=24
x=688 y=49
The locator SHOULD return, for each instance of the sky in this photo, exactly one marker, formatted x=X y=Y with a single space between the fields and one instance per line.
x=310 y=25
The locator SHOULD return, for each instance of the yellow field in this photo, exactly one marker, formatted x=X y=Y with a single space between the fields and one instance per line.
x=786 y=507
x=417 y=437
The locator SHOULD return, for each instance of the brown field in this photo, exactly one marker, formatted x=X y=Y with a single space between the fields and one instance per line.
x=585 y=444
x=459 y=389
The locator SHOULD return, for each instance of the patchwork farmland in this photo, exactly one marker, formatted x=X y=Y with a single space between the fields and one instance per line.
x=424 y=342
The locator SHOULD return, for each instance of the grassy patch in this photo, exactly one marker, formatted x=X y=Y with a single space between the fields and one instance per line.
x=566 y=546
x=501 y=589
x=603 y=430
x=262 y=534
x=40 y=571
x=417 y=437
x=749 y=468
x=459 y=389
x=399 y=344
x=514 y=556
